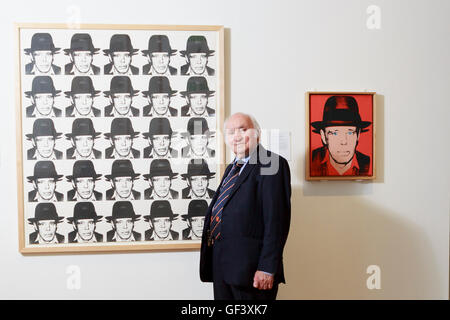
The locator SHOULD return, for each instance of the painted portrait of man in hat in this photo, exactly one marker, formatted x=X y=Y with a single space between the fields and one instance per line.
x=121 y=137
x=159 y=137
x=197 y=178
x=198 y=137
x=83 y=180
x=44 y=138
x=120 y=97
x=197 y=96
x=122 y=222
x=81 y=54
x=122 y=179
x=82 y=96
x=45 y=223
x=44 y=181
x=158 y=55
x=41 y=54
x=83 y=137
x=159 y=97
x=42 y=96
x=120 y=54
x=197 y=54
x=160 y=178
x=84 y=222
x=195 y=219
x=160 y=221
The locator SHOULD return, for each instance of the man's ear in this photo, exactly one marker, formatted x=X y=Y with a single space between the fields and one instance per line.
x=323 y=137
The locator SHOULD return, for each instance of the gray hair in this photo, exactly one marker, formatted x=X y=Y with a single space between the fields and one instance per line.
x=252 y=119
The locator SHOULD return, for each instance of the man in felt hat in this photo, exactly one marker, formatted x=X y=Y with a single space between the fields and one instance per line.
x=45 y=224
x=122 y=181
x=159 y=137
x=83 y=139
x=82 y=95
x=84 y=222
x=120 y=97
x=197 y=179
x=197 y=95
x=340 y=130
x=83 y=182
x=122 y=221
x=121 y=137
x=120 y=54
x=160 y=221
x=198 y=137
x=42 y=96
x=197 y=53
x=81 y=54
x=43 y=139
x=44 y=181
x=41 y=53
x=195 y=219
x=158 y=55
x=159 y=96
x=160 y=180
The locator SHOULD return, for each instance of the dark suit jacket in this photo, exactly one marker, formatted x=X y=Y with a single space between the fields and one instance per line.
x=68 y=69
x=107 y=69
x=110 y=151
x=320 y=169
x=255 y=223
x=149 y=234
x=184 y=110
x=109 y=111
x=110 y=193
x=185 y=193
x=71 y=195
x=146 y=111
x=146 y=69
x=184 y=152
x=29 y=67
x=32 y=194
x=34 y=237
x=70 y=153
x=110 y=235
x=73 y=234
x=185 y=69
x=148 y=192
x=32 y=151
x=30 y=110
x=70 y=111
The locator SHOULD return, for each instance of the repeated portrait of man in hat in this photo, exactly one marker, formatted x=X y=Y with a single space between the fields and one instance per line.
x=120 y=97
x=44 y=138
x=120 y=54
x=42 y=96
x=159 y=137
x=122 y=179
x=42 y=53
x=195 y=219
x=83 y=180
x=159 y=96
x=198 y=137
x=45 y=223
x=160 y=221
x=122 y=222
x=44 y=181
x=197 y=53
x=197 y=178
x=83 y=137
x=81 y=54
x=160 y=178
x=340 y=129
x=82 y=95
x=84 y=222
x=158 y=55
x=197 y=98
x=121 y=137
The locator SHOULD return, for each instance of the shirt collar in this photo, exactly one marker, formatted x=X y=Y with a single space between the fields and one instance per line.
x=332 y=171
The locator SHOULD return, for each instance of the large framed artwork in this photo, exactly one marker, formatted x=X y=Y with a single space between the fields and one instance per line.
x=118 y=135
x=340 y=135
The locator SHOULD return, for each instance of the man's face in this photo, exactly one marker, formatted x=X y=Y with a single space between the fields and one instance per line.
x=85 y=187
x=123 y=144
x=160 y=102
x=46 y=187
x=44 y=145
x=161 y=144
x=44 y=103
x=198 y=102
x=199 y=185
x=197 y=225
x=124 y=227
x=84 y=145
x=123 y=186
x=85 y=228
x=341 y=142
x=240 y=135
x=46 y=229
x=82 y=60
x=83 y=103
x=198 y=143
x=160 y=61
x=121 y=61
x=43 y=60
x=161 y=185
x=198 y=62
x=162 y=226
x=122 y=102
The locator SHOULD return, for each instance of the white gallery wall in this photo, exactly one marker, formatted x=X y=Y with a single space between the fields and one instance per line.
x=275 y=52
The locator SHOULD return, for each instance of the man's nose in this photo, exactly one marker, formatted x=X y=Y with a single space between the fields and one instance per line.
x=344 y=139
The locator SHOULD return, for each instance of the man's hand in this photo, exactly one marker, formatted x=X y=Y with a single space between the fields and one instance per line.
x=262 y=281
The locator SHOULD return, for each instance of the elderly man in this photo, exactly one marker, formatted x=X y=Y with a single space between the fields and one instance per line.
x=42 y=53
x=247 y=221
x=81 y=53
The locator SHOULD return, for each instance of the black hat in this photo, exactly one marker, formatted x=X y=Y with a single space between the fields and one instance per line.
x=84 y=210
x=43 y=127
x=198 y=167
x=45 y=211
x=120 y=42
x=82 y=127
x=121 y=84
x=122 y=168
x=42 y=84
x=83 y=169
x=197 y=125
x=158 y=126
x=81 y=42
x=160 y=167
x=123 y=209
x=82 y=84
x=160 y=209
x=196 y=44
x=121 y=126
x=197 y=85
x=196 y=208
x=158 y=43
x=41 y=41
x=44 y=169
x=159 y=84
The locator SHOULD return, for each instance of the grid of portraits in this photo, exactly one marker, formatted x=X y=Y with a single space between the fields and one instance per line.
x=118 y=131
